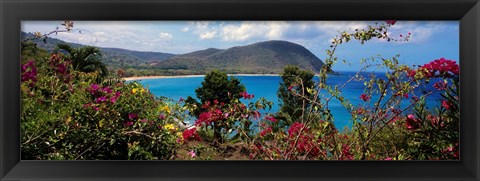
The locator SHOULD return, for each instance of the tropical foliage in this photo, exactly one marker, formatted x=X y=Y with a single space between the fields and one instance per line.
x=70 y=110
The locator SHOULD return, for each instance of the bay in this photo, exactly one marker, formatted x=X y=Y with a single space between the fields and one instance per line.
x=267 y=86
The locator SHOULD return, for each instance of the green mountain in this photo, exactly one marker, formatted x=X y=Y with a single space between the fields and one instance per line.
x=267 y=57
x=258 y=58
x=112 y=57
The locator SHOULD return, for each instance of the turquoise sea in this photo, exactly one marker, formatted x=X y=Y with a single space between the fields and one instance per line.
x=267 y=86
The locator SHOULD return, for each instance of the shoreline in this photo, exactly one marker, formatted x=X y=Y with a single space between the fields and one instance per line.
x=187 y=76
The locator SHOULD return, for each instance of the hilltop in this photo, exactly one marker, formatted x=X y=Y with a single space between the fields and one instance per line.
x=267 y=57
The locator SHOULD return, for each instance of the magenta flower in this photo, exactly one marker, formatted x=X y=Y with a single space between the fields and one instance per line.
x=245 y=95
x=161 y=116
x=364 y=97
x=412 y=122
x=191 y=134
x=391 y=22
x=412 y=73
x=192 y=154
x=346 y=155
x=295 y=128
x=129 y=123
x=61 y=68
x=115 y=97
x=132 y=116
x=93 y=88
x=265 y=131
x=271 y=118
x=29 y=72
x=446 y=105
x=439 y=85
x=107 y=90
x=441 y=68
x=101 y=99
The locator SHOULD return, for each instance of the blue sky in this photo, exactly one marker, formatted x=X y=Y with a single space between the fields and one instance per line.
x=430 y=39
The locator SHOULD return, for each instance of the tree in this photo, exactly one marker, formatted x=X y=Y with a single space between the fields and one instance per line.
x=217 y=92
x=295 y=80
x=85 y=59
x=218 y=86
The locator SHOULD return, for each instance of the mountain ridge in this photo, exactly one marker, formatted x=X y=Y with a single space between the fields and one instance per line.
x=113 y=57
x=266 y=57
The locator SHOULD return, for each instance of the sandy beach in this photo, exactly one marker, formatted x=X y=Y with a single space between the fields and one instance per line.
x=186 y=76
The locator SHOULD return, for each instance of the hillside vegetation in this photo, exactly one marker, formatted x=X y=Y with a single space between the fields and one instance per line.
x=267 y=57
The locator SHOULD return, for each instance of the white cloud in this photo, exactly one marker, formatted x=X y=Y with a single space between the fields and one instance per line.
x=254 y=30
x=204 y=30
x=165 y=36
x=269 y=30
x=208 y=35
x=185 y=29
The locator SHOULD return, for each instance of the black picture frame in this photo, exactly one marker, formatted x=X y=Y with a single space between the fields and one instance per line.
x=14 y=11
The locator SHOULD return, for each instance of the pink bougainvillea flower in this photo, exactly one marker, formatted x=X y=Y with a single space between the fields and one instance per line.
x=412 y=73
x=192 y=154
x=440 y=68
x=256 y=114
x=29 y=72
x=129 y=123
x=388 y=158
x=191 y=134
x=439 y=85
x=132 y=116
x=94 y=87
x=107 y=90
x=364 y=97
x=446 y=105
x=271 y=118
x=412 y=122
x=415 y=98
x=101 y=99
x=346 y=155
x=114 y=98
x=265 y=131
x=391 y=22
x=295 y=128
x=245 y=95
x=434 y=120
x=62 y=68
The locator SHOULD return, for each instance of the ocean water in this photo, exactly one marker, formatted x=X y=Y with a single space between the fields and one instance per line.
x=267 y=86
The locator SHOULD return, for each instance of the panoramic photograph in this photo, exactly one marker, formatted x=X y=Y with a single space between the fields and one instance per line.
x=240 y=90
